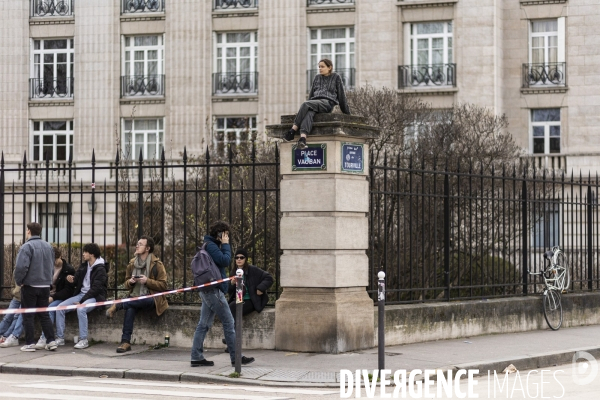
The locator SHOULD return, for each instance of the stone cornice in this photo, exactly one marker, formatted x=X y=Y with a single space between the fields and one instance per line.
x=538 y=2
x=129 y=100
x=223 y=99
x=545 y=90
x=330 y=9
x=51 y=103
x=433 y=91
x=52 y=20
x=425 y=3
x=233 y=13
x=142 y=17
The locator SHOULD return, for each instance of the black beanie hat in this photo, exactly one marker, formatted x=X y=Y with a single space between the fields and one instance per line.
x=242 y=252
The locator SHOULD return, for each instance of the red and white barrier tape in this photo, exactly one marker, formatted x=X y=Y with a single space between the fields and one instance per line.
x=108 y=302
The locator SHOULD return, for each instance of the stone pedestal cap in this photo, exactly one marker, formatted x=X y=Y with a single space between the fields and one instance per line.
x=328 y=125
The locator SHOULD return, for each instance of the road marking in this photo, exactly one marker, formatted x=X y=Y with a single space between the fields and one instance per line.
x=215 y=387
x=61 y=396
x=149 y=392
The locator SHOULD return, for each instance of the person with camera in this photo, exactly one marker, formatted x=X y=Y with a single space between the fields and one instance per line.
x=213 y=299
x=145 y=274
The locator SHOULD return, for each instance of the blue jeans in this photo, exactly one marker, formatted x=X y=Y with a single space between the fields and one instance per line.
x=81 y=315
x=52 y=313
x=131 y=308
x=9 y=318
x=213 y=303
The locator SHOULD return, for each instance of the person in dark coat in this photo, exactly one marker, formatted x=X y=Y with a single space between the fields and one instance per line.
x=256 y=284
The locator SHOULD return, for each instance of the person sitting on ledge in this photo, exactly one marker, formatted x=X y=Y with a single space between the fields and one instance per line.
x=327 y=91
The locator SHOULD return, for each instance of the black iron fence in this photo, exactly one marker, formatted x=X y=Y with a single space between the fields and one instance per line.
x=232 y=4
x=141 y=6
x=550 y=74
x=173 y=201
x=426 y=75
x=475 y=234
x=45 y=88
x=235 y=83
x=142 y=85
x=51 y=8
x=348 y=76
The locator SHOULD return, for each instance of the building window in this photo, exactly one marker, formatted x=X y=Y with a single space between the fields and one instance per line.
x=546 y=53
x=54 y=218
x=234 y=4
x=336 y=44
x=546 y=231
x=52 y=68
x=545 y=130
x=145 y=135
x=428 y=53
x=234 y=131
x=51 y=8
x=53 y=139
x=143 y=65
x=140 y=6
x=236 y=63
x=425 y=122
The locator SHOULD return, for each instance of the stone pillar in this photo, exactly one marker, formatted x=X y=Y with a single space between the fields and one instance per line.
x=324 y=306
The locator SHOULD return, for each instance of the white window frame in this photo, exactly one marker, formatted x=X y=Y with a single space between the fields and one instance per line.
x=251 y=130
x=63 y=232
x=411 y=41
x=221 y=45
x=37 y=68
x=130 y=138
x=548 y=226
x=54 y=134
x=559 y=34
x=546 y=125
x=132 y=48
x=349 y=42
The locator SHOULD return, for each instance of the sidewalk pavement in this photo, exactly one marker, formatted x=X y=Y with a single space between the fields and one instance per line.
x=528 y=350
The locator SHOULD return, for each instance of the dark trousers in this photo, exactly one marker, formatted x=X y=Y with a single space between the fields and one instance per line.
x=308 y=109
x=131 y=308
x=247 y=308
x=34 y=297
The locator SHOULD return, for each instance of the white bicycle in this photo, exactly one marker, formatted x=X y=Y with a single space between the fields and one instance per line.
x=557 y=279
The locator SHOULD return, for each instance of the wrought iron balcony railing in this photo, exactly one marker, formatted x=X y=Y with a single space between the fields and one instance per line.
x=551 y=74
x=327 y=2
x=235 y=83
x=422 y=75
x=42 y=88
x=231 y=4
x=142 y=85
x=142 y=6
x=51 y=8
x=347 y=75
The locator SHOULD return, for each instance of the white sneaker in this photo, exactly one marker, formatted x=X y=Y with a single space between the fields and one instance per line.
x=82 y=344
x=10 y=341
x=28 y=347
x=59 y=341
x=41 y=344
x=51 y=346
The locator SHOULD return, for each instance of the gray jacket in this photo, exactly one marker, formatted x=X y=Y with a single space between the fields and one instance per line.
x=35 y=263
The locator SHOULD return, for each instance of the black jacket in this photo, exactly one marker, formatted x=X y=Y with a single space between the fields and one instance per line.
x=64 y=289
x=98 y=282
x=256 y=279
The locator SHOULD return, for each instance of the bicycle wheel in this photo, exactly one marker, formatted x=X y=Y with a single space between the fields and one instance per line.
x=562 y=265
x=553 y=309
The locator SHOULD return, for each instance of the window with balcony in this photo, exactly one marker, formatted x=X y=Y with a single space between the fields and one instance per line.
x=143 y=66
x=427 y=55
x=142 y=6
x=145 y=135
x=54 y=218
x=336 y=44
x=51 y=8
x=236 y=63
x=234 y=131
x=547 y=66
x=51 y=69
x=545 y=130
x=234 y=4
x=52 y=139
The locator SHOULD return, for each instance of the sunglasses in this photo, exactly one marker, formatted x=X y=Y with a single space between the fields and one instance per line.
x=240 y=258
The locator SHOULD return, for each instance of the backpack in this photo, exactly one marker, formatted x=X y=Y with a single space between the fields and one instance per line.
x=204 y=269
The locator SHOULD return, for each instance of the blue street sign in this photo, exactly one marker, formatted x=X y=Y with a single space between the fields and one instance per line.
x=352 y=157
x=311 y=158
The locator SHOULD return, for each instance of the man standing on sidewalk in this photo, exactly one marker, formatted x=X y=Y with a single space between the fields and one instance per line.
x=145 y=274
x=33 y=272
x=213 y=299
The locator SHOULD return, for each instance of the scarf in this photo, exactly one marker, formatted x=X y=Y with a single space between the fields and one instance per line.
x=141 y=268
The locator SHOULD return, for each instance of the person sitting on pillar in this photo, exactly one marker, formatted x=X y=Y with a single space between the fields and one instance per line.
x=256 y=284
x=145 y=274
x=11 y=325
x=91 y=282
x=60 y=290
x=326 y=92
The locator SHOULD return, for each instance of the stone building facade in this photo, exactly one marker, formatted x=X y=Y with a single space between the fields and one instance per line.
x=143 y=75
